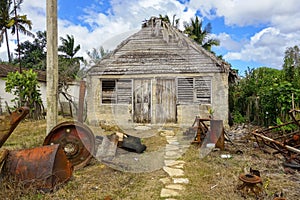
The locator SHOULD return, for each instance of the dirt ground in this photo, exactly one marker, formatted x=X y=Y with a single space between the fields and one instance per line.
x=211 y=177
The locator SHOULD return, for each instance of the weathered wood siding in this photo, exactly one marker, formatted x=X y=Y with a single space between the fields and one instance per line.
x=165 y=101
x=142 y=101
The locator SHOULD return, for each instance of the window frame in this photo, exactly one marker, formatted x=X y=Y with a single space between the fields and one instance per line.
x=119 y=92
x=189 y=90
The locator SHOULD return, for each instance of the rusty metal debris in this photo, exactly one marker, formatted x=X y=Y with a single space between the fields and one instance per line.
x=250 y=182
x=76 y=139
x=10 y=122
x=213 y=133
x=41 y=167
x=284 y=139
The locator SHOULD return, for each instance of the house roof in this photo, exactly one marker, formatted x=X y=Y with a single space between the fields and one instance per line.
x=5 y=69
x=158 y=48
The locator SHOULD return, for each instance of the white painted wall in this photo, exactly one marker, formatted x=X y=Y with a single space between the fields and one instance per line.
x=73 y=90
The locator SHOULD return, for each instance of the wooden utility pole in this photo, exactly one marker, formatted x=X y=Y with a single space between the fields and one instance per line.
x=52 y=65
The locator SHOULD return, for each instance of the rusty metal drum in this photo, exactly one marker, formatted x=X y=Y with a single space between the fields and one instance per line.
x=77 y=141
x=41 y=167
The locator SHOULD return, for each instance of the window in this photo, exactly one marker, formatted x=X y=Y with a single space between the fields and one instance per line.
x=194 y=90
x=115 y=91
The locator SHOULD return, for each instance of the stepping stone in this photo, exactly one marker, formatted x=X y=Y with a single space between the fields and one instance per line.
x=181 y=180
x=172 y=153
x=171 y=147
x=165 y=180
x=173 y=172
x=170 y=163
x=175 y=187
x=173 y=142
x=166 y=133
x=168 y=193
x=179 y=166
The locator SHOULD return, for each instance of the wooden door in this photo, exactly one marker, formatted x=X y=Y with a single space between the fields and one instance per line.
x=165 y=101
x=142 y=101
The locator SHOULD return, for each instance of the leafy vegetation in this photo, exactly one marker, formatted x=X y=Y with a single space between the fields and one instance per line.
x=201 y=35
x=266 y=95
x=26 y=89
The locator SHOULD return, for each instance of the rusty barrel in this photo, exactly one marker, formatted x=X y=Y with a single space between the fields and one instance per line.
x=76 y=139
x=41 y=167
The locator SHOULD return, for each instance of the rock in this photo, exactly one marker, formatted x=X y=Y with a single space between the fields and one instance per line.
x=166 y=133
x=168 y=193
x=181 y=180
x=175 y=187
x=173 y=172
x=165 y=180
x=170 y=163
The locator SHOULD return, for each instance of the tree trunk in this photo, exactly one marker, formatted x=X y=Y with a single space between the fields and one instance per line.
x=7 y=45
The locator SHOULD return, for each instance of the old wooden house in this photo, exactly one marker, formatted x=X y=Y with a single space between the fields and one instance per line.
x=158 y=75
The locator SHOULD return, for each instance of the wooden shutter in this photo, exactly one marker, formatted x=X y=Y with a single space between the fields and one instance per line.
x=203 y=90
x=124 y=91
x=185 y=90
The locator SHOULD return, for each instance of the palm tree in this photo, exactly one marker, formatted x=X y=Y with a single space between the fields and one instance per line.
x=166 y=19
x=96 y=55
x=201 y=36
x=10 y=20
x=69 y=64
x=68 y=47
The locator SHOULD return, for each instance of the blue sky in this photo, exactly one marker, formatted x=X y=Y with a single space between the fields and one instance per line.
x=252 y=33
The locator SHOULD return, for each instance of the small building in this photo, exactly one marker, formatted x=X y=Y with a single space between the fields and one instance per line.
x=70 y=93
x=158 y=75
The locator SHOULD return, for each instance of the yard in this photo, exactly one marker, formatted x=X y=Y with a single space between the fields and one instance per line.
x=211 y=177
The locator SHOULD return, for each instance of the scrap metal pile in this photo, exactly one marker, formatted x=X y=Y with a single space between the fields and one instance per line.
x=284 y=139
x=68 y=146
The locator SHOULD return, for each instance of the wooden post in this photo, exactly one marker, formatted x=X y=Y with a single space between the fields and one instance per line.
x=52 y=65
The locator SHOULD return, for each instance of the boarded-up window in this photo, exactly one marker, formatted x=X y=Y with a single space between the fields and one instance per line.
x=194 y=90
x=116 y=91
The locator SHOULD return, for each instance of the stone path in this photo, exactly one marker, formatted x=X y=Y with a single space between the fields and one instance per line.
x=175 y=182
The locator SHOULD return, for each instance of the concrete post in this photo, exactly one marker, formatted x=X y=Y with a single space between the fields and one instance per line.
x=52 y=65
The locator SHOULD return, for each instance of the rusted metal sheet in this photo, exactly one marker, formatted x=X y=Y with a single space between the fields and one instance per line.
x=217 y=133
x=77 y=141
x=41 y=167
x=212 y=134
x=9 y=123
x=3 y=155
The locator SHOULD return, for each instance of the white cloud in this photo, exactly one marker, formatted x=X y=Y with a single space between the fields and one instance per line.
x=266 y=47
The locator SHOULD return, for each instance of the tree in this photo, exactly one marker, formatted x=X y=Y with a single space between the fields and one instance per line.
x=202 y=36
x=166 y=19
x=68 y=47
x=10 y=20
x=291 y=66
x=69 y=64
x=33 y=54
x=96 y=55
x=26 y=89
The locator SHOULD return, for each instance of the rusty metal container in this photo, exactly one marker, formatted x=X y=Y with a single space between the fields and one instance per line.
x=41 y=167
x=76 y=139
